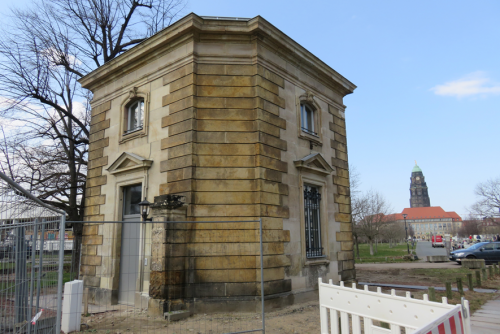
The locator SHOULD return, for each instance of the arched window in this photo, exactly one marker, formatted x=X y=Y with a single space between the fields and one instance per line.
x=134 y=116
x=308 y=119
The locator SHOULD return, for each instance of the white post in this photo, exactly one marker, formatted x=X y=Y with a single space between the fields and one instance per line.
x=72 y=306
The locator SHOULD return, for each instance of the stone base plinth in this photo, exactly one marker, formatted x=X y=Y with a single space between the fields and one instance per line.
x=235 y=304
x=473 y=263
x=437 y=258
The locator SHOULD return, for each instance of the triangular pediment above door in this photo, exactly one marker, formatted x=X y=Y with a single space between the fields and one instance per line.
x=127 y=162
x=314 y=163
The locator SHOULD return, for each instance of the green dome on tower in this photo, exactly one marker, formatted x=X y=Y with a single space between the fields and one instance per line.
x=416 y=169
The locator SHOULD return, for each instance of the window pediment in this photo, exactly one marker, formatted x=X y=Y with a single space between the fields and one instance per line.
x=127 y=162
x=314 y=163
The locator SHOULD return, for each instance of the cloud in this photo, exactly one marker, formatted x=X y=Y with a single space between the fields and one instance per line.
x=476 y=83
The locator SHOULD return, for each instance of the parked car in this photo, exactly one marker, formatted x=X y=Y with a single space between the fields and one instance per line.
x=489 y=251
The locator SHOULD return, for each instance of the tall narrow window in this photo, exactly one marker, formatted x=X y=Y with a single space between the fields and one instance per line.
x=307 y=119
x=312 y=199
x=135 y=115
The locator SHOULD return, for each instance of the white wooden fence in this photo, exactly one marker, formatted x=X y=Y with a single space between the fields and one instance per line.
x=343 y=308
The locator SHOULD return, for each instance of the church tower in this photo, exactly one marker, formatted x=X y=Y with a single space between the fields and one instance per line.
x=419 y=196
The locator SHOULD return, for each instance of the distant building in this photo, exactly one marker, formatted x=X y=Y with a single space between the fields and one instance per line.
x=419 y=195
x=430 y=220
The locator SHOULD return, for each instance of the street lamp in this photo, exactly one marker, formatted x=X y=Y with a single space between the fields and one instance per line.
x=406 y=233
x=144 y=206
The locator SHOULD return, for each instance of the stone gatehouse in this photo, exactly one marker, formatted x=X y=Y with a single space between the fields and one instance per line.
x=244 y=123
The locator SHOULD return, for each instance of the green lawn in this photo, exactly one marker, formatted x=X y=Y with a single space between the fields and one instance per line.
x=384 y=253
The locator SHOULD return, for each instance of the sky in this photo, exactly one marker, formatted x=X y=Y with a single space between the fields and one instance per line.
x=428 y=85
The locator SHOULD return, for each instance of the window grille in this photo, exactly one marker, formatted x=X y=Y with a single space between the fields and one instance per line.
x=312 y=199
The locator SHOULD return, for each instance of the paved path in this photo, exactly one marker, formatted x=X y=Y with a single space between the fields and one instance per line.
x=486 y=320
x=405 y=265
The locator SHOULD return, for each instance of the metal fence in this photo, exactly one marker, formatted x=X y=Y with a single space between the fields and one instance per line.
x=31 y=262
x=173 y=277
x=138 y=277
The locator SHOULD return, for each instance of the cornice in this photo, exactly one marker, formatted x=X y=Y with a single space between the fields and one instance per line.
x=189 y=27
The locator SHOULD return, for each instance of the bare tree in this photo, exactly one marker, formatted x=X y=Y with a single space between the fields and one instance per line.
x=354 y=184
x=470 y=226
x=373 y=216
x=392 y=230
x=44 y=112
x=488 y=204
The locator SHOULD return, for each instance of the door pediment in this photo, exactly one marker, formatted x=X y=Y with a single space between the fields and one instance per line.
x=127 y=162
x=314 y=163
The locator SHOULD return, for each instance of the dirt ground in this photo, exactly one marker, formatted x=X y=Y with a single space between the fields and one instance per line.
x=300 y=318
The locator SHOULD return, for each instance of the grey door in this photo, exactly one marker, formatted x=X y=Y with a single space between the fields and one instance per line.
x=129 y=255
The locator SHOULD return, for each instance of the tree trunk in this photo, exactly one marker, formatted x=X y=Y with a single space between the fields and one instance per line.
x=371 y=247
x=357 y=248
x=376 y=246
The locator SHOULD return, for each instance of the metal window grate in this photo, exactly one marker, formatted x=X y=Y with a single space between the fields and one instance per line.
x=312 y=199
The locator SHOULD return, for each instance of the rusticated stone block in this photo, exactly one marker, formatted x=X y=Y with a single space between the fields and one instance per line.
x=99 y=144
x=92 y=240
x=178 y=117
x=214 y=91
x=182 y=82
x=101 y=108
x=342 y=199
x=91 y=260
x=335 y=112
x=96 y=154
x=341 y=155
x=339 y=121
x=344 y=236
x=90 y=229
x=87 y=270
x=94 y=172
x=338 y=146
x=343 y=191
x=89 y=249
x=337 y=129
x=342 y=217
x=344 y=208
x=346 y=245
x=96 y=136
x=95 y=200
x=341 y=181
x=177 y=128
x=181 y=94
x=271 y=76
x=96 y=181
x=91 y=281
x=98 y=162
x=188 y=102
x=342 y=173
x=342 y=256
x=97 y=118
x=340 y=163
x=226 y=69
x=93 y=191
x=99 y=126
x=179 y=73
x=92 y=210
x=340 y=138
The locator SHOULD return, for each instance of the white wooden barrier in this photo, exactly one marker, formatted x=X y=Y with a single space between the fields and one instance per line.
x=416 y=316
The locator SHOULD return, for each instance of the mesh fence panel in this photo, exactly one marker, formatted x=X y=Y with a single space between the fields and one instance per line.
x=29 y=261
x=172 y=277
